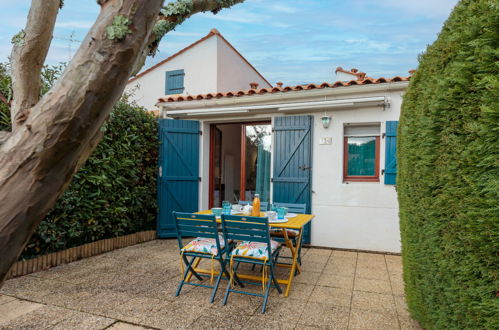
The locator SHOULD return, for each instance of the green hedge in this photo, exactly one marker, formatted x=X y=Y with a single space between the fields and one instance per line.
x=113 y=194
x=448 y=180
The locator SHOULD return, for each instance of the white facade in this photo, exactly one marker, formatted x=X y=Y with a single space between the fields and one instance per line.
x=349 y=215
x=210 y=65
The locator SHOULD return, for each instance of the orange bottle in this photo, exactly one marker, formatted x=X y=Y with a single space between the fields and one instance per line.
x=255 y=212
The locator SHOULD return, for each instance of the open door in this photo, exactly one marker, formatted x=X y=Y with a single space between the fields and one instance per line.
x=293 y=162
x=178 y=177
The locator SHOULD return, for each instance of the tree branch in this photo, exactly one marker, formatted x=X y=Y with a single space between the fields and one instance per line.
x=28 y=55
x=172 y=15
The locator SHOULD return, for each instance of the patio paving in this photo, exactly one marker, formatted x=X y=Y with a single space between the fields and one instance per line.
x=133 y=288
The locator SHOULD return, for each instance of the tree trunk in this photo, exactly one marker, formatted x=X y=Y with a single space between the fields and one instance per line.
x=39 y=158
x=55 y=136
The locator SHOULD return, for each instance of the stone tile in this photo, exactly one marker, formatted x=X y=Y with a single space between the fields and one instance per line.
x=15 y=309
x=401 y=307
x=125 y=326
x=258 y=323
x=32 y=316
x=29 y=287
x=375 y=263
x=104 y=303
x=307 y=277
x=84 y=321
x=371 y=273
x=332 y=296
x=312 y=266
x=306 y=327
x=333 y=280
x=319 y=252
x=174 y=316
x=324 y=315
x=231 y=316
x=369 y=285
x=5 y=299
x=298 y=291
x=407 y=323
x=374 y=302
x=340 y=269
x=397 y=286
x=394 y=263
x=373 y=257
x=344 y=254
x=284 y=311
x=362 y=319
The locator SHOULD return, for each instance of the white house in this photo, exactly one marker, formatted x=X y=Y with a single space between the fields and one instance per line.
x=209 y=65
x=331 y=146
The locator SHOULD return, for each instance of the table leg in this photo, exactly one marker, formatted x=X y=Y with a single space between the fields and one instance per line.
x=294 y=252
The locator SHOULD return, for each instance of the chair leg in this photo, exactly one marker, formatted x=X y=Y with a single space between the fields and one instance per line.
x=266 y=297
x=217 y=283
x=189 y=267
x=274 y=279
x=184 y=276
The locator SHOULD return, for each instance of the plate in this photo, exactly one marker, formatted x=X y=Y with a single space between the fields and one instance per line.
x=278 y=220
x=290 y=215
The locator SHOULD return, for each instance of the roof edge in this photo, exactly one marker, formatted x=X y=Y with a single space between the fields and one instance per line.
x=209 y=35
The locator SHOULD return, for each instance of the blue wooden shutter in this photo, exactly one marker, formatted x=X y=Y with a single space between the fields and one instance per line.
x=293 y=162
x=391 y=152
x=174 y=82
x=178 y=179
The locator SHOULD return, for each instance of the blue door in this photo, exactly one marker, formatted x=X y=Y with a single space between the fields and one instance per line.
x=293 y=162
x=178 y=179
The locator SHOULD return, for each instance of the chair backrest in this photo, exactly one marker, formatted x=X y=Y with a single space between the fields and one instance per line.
x=293 y=208
x=254 y=229
x=196 y=225
x=264 y=206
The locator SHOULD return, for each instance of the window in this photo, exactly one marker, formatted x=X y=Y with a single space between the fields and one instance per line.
x=361 y=153
x=174 y=82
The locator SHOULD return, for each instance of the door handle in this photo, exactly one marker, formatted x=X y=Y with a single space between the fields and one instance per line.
x=304 y=167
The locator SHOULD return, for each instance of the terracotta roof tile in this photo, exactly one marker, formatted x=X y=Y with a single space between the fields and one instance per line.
x=279 y=89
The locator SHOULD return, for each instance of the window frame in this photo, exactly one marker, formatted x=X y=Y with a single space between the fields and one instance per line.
x=361 y=178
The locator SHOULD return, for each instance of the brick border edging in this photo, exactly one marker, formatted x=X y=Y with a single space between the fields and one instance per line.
x=47 y=261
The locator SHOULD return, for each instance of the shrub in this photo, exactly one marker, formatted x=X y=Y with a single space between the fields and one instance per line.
x=113 y=194
x=448 y=176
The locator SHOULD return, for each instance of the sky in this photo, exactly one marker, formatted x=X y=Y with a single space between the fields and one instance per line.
x=293 y=41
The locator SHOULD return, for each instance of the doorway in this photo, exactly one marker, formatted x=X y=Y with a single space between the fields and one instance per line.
x=240 y=155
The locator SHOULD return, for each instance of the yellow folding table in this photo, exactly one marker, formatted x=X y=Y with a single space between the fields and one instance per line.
x=298 y=223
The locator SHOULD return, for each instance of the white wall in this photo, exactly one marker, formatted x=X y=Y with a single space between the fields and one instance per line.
x=233 y=72
x=200 y=67
x=210 y=66
x=354 y=215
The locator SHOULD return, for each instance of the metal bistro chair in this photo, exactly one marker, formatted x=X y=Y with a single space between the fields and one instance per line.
x=277 y=234
x=207 y=244
x=254 y=249
x=263 y=205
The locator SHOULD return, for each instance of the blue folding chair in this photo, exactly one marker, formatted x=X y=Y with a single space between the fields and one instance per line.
x=263 y=205
x=256 y=248
x=207 y=244
x=277 y=234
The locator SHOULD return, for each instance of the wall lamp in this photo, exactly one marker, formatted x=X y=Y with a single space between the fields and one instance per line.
x=326 y=120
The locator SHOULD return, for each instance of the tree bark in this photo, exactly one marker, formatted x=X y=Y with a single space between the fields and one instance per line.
x=28 y=55
x=39 y=158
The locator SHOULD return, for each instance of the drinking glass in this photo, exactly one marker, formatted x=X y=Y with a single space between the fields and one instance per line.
x=226 y=207
x=280 y=213
x=217 y=211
